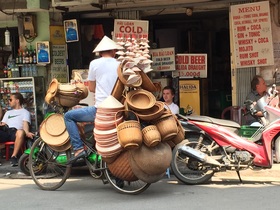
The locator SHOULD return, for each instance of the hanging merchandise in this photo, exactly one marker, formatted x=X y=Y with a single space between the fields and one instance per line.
x=7 y=37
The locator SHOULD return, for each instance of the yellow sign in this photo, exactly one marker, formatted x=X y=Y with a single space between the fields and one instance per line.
x=57 y=35
x=189 y=95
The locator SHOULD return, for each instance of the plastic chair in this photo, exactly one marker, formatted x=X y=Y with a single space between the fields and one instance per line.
x=7 y=148
x=235 y=113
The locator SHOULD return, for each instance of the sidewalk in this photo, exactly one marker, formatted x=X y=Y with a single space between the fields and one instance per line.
x=6 y=170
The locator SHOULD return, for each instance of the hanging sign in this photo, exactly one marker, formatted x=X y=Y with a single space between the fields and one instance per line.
x=190 y=66
x=130 y=29
x=163 y=59
x=59 y=68
x=252 y=34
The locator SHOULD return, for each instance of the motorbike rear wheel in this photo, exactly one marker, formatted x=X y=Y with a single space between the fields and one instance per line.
x=23 y=164
x=188 y=170
x=51 y=164
x=125 y=187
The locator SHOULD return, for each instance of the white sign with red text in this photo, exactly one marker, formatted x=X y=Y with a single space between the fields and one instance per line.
x=191 y=65
x=163 y=59
x=252 y=34
x=130 y=29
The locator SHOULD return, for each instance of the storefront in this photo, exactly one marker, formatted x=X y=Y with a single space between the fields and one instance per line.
x=190 y=27
x=202 y=33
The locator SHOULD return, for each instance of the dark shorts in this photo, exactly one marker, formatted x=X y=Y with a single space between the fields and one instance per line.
x=9 y=135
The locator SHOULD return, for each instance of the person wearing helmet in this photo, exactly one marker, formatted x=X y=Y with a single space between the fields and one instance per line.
x=102 y=77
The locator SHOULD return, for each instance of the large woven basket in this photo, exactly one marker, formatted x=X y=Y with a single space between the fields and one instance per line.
x=121 y=168
x=167 y=126
x=129 y=133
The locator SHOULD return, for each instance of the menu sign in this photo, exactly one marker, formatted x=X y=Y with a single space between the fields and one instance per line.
x=59 y=63
x=252 y=34
x=191 y=65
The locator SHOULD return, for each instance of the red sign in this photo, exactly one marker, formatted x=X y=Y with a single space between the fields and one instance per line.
x=191 y=65
x=251 y=28
x=130 y=29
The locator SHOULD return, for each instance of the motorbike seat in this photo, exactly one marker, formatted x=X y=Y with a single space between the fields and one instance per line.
x=212 y=120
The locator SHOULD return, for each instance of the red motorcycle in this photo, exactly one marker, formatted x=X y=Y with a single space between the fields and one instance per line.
x=220 y=148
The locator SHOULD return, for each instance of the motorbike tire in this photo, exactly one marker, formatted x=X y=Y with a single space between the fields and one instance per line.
x=23 y=164
x=189 y=170
x=277 y=150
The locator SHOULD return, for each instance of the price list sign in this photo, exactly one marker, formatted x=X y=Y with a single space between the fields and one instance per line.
x=191 y=65
x=253 y=44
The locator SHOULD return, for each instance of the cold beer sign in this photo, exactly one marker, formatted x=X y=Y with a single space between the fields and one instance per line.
x=130 y=29
x=253 y=44
x=191 y=65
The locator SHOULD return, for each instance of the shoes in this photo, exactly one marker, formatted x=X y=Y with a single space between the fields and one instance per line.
x=73 y=159
x=14 y=161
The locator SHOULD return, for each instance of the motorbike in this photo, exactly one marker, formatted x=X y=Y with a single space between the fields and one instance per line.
x=218 y=147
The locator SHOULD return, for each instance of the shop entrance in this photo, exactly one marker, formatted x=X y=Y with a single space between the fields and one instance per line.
x=202 y=33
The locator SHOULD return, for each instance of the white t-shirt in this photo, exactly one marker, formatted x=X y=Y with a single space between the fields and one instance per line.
x=14 y=118
x=104 y=72
x=173 y=107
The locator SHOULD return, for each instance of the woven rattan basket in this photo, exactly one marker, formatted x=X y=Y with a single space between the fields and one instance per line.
x=167 y=127
x=151 y=136
x=121 y=167
x=140 y=99
x=152 y=113
x=129 y=133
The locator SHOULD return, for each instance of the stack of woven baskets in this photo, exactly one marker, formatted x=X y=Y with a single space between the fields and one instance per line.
x=67 y=95
x=146 y=134
x=149 y=130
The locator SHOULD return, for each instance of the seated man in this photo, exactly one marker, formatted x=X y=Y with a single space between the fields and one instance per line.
x=168 y=94
x=258 y=90
x=15 y=125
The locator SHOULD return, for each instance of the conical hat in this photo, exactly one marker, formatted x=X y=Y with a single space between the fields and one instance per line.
x=106 y=44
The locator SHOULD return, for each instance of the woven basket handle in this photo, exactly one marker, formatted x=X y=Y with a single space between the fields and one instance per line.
x=125 y=111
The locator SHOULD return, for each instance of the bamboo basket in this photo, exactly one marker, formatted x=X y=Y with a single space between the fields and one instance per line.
x=151 y=136
x=129 y=132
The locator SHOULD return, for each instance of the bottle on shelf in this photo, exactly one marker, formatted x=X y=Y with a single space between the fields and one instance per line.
x=34 y=70
x=23 y=71
x=34 y=56
x=5 y=72
x=26 y=55
x=30 y=54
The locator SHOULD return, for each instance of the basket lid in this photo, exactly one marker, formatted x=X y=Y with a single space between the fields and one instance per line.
x=50 y=139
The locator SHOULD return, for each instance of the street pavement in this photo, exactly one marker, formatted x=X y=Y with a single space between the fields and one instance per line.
x=265 y=175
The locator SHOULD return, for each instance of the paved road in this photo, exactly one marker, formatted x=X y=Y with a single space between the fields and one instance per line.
x=260 y=191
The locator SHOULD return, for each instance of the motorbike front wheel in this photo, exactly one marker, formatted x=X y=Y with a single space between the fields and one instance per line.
x=189 y=170
x=51 y=165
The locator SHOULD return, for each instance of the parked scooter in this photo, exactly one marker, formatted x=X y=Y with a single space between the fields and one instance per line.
x=220 y=148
